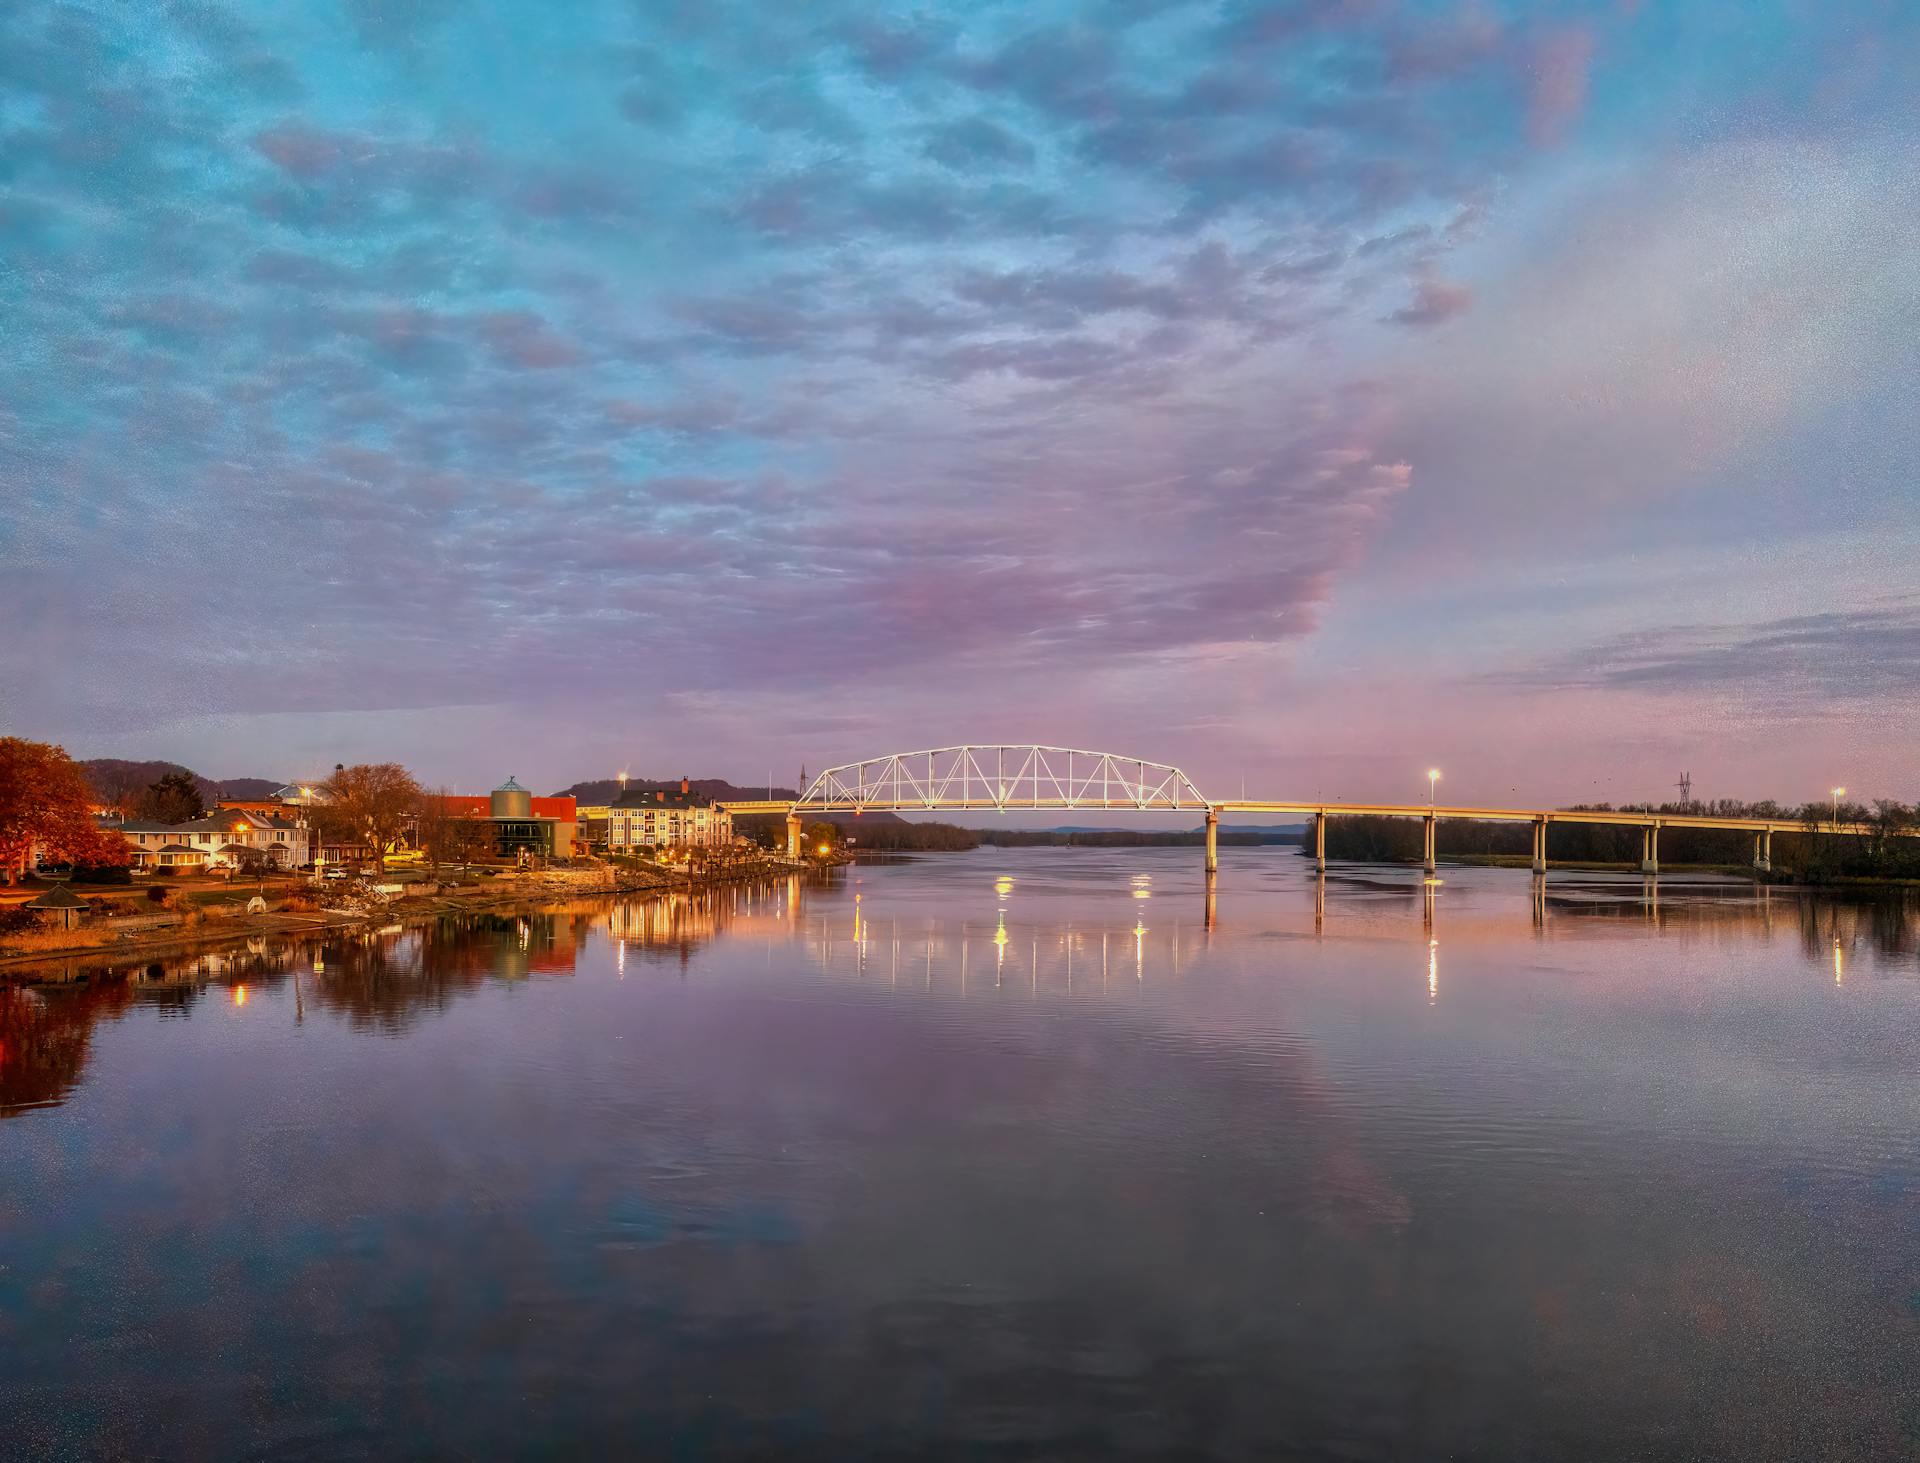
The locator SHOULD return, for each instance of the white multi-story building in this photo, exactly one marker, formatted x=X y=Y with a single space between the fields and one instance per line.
x=226 y=838
x=667 y=819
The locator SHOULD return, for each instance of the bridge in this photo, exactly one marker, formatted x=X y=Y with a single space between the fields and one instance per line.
x=1032 y=777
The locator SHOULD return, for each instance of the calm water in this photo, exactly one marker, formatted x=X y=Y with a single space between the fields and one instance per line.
x=990 y=1155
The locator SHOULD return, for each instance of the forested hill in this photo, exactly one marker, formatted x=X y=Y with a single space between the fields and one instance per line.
x=114 y=779
x=604 y=790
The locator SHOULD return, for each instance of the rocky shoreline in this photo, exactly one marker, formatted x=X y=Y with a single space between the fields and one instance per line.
x=155 y=937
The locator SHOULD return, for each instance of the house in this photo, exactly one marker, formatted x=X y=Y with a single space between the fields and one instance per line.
x=259 y=807
x=667 y=819
x=292 y=801
x=225 y=838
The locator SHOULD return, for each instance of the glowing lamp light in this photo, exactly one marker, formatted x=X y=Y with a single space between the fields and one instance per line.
x=239 y=995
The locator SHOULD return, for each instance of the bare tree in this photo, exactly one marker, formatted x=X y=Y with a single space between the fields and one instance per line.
x=373 y=803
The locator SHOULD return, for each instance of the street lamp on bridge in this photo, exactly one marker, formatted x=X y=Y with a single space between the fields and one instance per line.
x=1433 y=792
x=1838 y=793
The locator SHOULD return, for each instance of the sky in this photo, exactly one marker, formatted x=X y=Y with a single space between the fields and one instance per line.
x=1303 y=392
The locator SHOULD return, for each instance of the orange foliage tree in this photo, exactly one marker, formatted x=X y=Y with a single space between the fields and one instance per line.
x=372 y=803
x=47 y=806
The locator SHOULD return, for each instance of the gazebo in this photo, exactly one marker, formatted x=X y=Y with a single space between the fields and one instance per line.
x=65 y=906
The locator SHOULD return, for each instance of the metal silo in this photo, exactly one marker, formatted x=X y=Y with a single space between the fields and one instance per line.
x=510 y=800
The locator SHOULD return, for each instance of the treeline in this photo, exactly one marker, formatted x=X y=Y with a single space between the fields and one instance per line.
x=120 y=784
x=1880 y=853
x=883 y=833
x=601 y=791
x=905 y=837
x=1124 y=838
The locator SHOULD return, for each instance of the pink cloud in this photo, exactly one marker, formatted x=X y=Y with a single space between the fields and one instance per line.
x=1559 y=65
x=1435 y=301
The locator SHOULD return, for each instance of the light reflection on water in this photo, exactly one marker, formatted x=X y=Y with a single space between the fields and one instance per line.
x=986 y=1153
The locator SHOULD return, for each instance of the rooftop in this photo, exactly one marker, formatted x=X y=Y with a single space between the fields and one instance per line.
x=58 y=897
x=670 y=798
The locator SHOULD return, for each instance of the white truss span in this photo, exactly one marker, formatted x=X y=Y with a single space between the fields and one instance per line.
x=1002 y=777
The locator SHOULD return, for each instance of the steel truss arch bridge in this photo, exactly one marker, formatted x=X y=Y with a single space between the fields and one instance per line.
x=1033 y=776
x=1002 y=776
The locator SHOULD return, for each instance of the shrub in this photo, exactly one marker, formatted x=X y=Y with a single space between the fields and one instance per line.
x=165 y=871
x=19 y=917
x=97 y=874
x=158 y=893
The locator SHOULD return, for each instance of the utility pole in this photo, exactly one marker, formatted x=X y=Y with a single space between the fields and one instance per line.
x=1685 y=784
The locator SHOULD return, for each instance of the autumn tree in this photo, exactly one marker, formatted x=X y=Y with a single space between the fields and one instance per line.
x=373 y=803
x=173 y=798
x=47 y=805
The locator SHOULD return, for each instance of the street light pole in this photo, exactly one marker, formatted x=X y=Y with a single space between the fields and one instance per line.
x=1838 y=793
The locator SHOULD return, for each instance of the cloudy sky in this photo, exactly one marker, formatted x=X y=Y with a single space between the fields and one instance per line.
x=1303 y=391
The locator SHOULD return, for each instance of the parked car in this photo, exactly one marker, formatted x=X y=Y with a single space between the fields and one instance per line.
x=335 y=871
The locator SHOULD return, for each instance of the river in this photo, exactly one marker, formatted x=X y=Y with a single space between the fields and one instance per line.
x=998 y=1155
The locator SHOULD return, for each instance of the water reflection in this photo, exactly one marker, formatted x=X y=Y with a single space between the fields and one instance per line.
x=779 y=1171
x=383 y=980
x=389 y=979
x=45 y=1039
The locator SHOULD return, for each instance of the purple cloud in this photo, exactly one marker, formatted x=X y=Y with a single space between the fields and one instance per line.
x=1435 y=301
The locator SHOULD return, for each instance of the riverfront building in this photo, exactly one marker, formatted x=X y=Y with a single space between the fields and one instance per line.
x=667 y=819
x=228 y=838
x=522 y=823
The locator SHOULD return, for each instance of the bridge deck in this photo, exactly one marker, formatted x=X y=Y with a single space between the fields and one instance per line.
x=1619 y=819
x=1307 y=809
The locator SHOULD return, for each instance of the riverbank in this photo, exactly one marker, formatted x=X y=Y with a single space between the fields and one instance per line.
x=1776 y=878
x=212 y=928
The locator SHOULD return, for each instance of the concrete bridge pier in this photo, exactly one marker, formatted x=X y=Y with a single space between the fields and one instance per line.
x=1763 y=851
x=1650 y=849
x=1213 y=841
x=1213 y=907
x=1432 y=823
x=793 y=835
x=1539 y=845
x=1320 y=842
